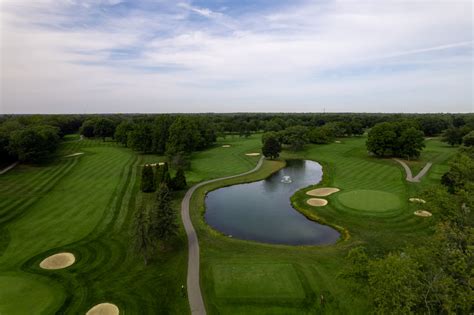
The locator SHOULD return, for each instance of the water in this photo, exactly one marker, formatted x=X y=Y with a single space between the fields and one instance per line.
x=261 y=211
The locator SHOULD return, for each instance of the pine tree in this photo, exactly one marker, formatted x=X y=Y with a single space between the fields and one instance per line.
x=142 y=241
x=165 y=176
x=148 y=179
x=164 y=224
x=179 y=181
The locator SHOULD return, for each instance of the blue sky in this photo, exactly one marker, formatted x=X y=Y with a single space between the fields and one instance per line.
x=87 y=56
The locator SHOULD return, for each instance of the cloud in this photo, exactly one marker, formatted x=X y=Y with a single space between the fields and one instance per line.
x=144 y=55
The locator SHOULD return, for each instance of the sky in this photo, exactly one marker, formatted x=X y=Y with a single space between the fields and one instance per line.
x=151 y=56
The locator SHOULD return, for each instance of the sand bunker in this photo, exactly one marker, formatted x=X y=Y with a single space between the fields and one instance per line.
x=423 y=213
x=317 y=202
x=58 y=261
x=75 y=154
x=417 y=200
x=226 y=146
x=252 y=154
x=104 y=309
x=337 y=141
x=322 y=192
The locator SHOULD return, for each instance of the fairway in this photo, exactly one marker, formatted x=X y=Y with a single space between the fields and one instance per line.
x=369 y=200
x=254 y=281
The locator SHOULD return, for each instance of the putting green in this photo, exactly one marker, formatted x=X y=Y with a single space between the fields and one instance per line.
x=369 y=200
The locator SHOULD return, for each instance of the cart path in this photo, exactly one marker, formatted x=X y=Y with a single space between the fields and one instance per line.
x=6 y=169
x=196 y=302
x=418 y=177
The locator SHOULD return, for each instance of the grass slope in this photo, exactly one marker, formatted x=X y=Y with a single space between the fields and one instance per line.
x=346 y=166
x=85 y=204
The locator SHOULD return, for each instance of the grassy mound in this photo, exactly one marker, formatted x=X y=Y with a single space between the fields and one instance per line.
x=369 y=200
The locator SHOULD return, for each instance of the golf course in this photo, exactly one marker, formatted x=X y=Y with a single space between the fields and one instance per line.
x=83 y=204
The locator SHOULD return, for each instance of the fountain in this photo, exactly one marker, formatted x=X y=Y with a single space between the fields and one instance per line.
x=286 y=179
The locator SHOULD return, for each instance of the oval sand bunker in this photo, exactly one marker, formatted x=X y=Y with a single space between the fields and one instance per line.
x=317 y=202
x=226 y=146
x=252 y=154
x=58 y=261
x=322 y=192
x=423 y=213
x=417 y=200
x=104 y=309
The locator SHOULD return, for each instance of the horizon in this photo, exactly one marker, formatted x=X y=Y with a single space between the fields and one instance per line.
x=227 y=56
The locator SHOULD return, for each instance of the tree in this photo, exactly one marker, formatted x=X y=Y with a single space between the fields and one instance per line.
x=179 y=181
x=164 y=224
x=411 y=143
x=394 y=284
x=148 y=179
x=296 y=137
x=122 y=131
x=165 y=177
x=271 y=147
x=104 y=128
x=468 y=140
x=319 y=135
x=381 y=139
x=140 y=138
x=34 y=143
x=454 y=136
x=87 y=128
x=357 y=264
x=141 y=237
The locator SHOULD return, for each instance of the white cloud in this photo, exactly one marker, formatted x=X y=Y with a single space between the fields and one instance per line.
x=341 y=55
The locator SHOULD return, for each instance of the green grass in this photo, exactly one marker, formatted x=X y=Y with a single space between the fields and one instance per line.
x=348 y=167
x=369 y=200
x=84 y=205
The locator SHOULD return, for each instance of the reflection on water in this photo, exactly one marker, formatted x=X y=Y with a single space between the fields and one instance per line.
x=262 y=211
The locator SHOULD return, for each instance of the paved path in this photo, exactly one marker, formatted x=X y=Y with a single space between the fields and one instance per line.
x=194 y=290
x=418 y=177
x=6 y=169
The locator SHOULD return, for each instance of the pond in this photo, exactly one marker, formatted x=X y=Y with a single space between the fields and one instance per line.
x=262 y=211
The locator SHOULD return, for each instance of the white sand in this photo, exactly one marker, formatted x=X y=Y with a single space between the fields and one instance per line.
x=161 y=163
x=75 y=154
x=58 y=261
x=423 y=213
x=337 y=141
x=322 y=192
x=252 y=154
x=417 y=200
x=226 y=146
x=317 y=202
x=104 y=309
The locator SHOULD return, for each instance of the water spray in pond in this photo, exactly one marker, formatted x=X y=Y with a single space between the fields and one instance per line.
x=286 y=180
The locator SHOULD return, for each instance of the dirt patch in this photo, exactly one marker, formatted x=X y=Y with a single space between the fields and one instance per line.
x=252 y=154
x=322 y=192
x=104 y=309
x=423 y=213
x=417 y=200
x=317 y=202
x=58 y=261
x=75 y=154
x=226 y=146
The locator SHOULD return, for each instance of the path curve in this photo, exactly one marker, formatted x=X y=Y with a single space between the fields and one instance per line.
x=418 y=177
x=196 y=302
x=6 y=169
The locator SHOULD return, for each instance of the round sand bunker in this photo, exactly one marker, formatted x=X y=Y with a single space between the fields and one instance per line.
x=317 y=202
x=417 y=200
x=252 y=154
x=104 y=309
x=322 y=192
x=58 y=261
x=423 y=213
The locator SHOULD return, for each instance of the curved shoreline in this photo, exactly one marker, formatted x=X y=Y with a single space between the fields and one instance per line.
x=196 y=302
